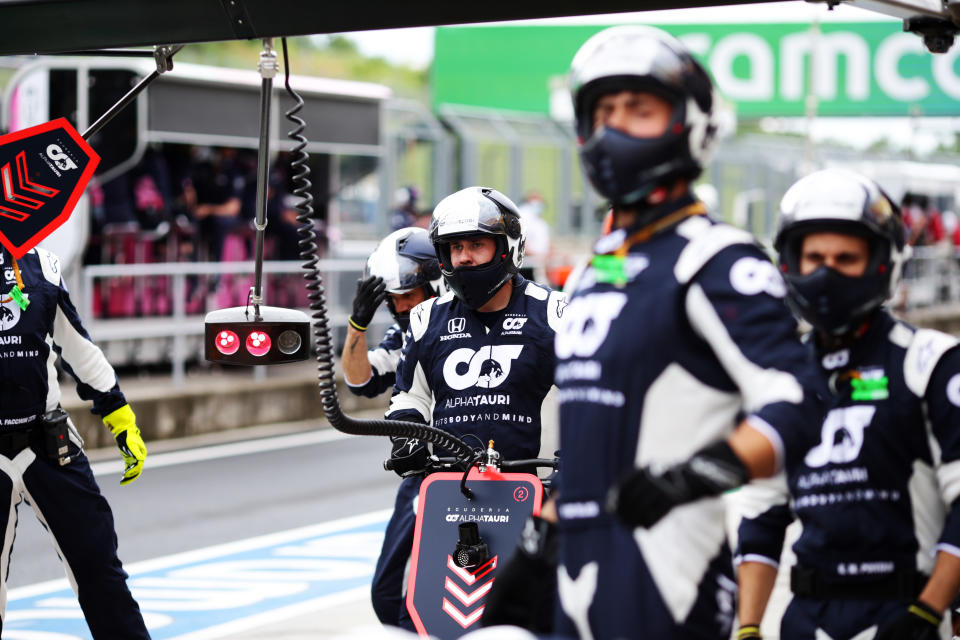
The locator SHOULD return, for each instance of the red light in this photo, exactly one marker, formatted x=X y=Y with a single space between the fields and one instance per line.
x=227 y=342
x=258 y=343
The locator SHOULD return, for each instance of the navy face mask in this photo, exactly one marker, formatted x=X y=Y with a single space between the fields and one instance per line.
x=835 y=303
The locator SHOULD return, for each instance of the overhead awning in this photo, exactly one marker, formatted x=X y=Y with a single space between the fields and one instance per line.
x=195 y=104
x=48 y=26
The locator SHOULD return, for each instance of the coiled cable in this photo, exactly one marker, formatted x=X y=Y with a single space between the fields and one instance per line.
x=300 y=177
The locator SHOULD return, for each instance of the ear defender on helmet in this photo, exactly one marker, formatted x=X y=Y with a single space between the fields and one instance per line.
x=843 y=202
x=471 y=212
x=406 y=260
x=624 y=168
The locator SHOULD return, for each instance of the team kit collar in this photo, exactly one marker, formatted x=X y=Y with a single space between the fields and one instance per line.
x=856 y=369
x=610 y=251
x=858 y=347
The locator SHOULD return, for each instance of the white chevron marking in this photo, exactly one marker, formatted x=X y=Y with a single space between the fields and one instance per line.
x=456 y=614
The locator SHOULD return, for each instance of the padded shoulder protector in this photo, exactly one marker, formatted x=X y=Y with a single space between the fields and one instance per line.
x=556 y=303
x=420 y=318
x=535 y=291
x=706 y=239
x=923 y=354
x=50 y=265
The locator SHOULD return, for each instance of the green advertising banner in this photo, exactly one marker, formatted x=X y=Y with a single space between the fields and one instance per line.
x=853 y=68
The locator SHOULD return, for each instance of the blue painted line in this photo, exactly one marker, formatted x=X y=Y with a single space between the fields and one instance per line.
x=210 y=592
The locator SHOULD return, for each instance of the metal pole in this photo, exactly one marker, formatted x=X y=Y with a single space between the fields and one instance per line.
x=268 y=69
x=163 y=56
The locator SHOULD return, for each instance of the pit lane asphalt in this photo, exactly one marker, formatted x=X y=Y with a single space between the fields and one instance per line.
x=194 y=504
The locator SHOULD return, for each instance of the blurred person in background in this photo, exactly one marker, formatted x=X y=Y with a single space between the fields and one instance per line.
x=915 y=219
x=879 y=495
x=282 y=224
x=215 y=190
x=404 y=212
x=41 y=457
x=152 y=193
x=537 y=232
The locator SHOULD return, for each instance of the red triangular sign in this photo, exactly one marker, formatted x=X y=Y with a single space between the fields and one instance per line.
x=43 y=172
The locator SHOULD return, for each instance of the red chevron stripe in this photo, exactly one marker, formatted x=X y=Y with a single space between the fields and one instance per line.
x=468 y=576
x=10 y=195
x=19 y=216
x=468 y=599
x=24 y=178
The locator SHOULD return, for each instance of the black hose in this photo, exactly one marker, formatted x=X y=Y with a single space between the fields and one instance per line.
x=318 y=304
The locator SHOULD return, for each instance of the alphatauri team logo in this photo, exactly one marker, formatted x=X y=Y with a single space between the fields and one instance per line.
x=487 y=367
x=9 y=313
x=841 y=436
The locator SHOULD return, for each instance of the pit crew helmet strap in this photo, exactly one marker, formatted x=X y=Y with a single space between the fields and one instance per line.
x=840 y=201
x=624 y=168
x=478 y=211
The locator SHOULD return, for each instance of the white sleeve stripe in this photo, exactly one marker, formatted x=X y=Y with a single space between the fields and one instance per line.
x=770 y=434
x=755 y=557
x=384 y=361
x=948 y=475
x=53 y=384
x=923 y=354
x=758 y=386
x=419 y=397
x=948 y=548
x=84 y=357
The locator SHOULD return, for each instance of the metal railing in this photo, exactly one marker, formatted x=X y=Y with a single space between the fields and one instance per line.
x=180 y=324
x=930 y=278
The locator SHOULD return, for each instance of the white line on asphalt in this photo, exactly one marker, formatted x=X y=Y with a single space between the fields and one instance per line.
x=246 y=447
x=207 y=553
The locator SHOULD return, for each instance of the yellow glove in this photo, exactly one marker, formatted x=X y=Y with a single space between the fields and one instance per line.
x=123 y=425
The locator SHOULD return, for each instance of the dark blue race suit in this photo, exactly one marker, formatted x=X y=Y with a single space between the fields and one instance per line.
x=479 y=376
x=66 y=498
x=876 y=494
x=692 y=340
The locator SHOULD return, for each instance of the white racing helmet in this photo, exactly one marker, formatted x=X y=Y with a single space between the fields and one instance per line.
x=405 y=260
x=477 y=211
x=840 y=201
x=624 y=168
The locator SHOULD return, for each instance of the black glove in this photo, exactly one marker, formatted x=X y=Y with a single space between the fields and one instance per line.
x=918 y=622
x=523 y=593
x=370 y=295
x=408 y=457
x=642 y=497
x=749 y=632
